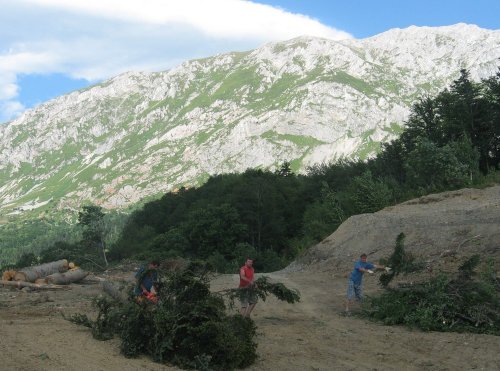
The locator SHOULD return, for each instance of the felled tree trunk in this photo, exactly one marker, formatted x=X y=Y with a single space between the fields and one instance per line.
x=21 y=284
x=8 y=275
x=68 y=277
x=30 y=274
x=114 y=291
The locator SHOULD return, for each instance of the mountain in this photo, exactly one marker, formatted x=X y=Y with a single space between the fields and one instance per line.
x=307 y=100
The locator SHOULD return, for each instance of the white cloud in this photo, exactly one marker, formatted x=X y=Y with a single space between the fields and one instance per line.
x=9 y=109
x=20 y=61
x=98 y=39
x=216 y=18
x=8 y=87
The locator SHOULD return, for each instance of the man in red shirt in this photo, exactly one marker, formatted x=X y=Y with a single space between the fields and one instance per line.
x=248 y=296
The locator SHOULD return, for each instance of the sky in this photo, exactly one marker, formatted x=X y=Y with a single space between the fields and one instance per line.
x=52 y=47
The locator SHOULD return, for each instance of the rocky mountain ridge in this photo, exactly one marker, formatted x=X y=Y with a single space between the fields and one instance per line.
x=306 y=100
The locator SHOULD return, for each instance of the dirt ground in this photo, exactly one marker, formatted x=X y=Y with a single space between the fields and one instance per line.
x=314 y=334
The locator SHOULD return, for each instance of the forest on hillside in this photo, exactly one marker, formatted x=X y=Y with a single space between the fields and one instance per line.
x=450 y=141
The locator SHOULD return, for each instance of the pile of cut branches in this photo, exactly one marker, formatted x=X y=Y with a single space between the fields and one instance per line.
x=466 y=301
x=188 y=327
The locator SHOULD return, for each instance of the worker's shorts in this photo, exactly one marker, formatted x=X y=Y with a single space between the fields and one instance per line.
x=247 y=296
x=354 y=291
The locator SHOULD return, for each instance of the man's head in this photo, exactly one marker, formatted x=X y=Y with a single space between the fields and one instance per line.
x=363 y=258
x=154 y=264
x=249 y=262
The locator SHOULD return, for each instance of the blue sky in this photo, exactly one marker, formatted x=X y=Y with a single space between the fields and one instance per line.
x=52 y=47
x=365 y=18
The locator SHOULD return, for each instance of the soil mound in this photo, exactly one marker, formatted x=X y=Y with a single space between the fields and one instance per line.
x=440 y=229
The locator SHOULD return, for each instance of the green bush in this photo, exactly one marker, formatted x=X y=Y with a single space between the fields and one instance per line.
x=26 y=259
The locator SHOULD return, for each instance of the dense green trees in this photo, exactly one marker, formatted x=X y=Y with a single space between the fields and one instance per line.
x=22 y=237
x=44 y=240
x=455 y=133
x=257 y=209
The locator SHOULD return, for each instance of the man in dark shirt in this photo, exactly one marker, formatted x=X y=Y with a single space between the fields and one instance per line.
x=146 y=278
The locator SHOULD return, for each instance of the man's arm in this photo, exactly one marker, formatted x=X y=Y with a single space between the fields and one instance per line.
x=138 y=280
x=382 y=267
x=369 y=267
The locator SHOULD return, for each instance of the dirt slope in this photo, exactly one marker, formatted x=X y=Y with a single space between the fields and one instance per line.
x=440 y=229
x=311 y=335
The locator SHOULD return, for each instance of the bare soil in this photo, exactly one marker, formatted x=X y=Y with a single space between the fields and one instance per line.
x=314 y=334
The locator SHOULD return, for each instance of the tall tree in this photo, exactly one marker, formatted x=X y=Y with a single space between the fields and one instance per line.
x=492 y=96
x=91 y=219
x=323 y=216
x=285 y=169
x=214 y=228
x=369 y=194
x=465 y=112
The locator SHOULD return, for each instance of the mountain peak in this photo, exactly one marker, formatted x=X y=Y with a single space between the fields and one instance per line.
x=307 y=100
x=456 y=30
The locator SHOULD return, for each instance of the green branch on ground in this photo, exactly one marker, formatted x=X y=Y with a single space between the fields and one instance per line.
x=189 y=327
x=460 y=303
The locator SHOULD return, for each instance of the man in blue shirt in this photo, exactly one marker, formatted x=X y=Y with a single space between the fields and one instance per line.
x=355 y=287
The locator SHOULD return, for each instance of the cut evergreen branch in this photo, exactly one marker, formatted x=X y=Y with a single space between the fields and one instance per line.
x=189 y=327
x=263 y=287
x=400 y=262
x=458 y=303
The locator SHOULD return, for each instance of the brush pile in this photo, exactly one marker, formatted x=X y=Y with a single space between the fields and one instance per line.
x=467 y=301
x=188 y=327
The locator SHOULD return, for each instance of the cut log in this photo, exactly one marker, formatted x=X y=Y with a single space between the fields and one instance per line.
x=30 y=274
x=21 y=284
x=114 y=291
x=68 y=277
x=41 y=281
x=8 y=275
